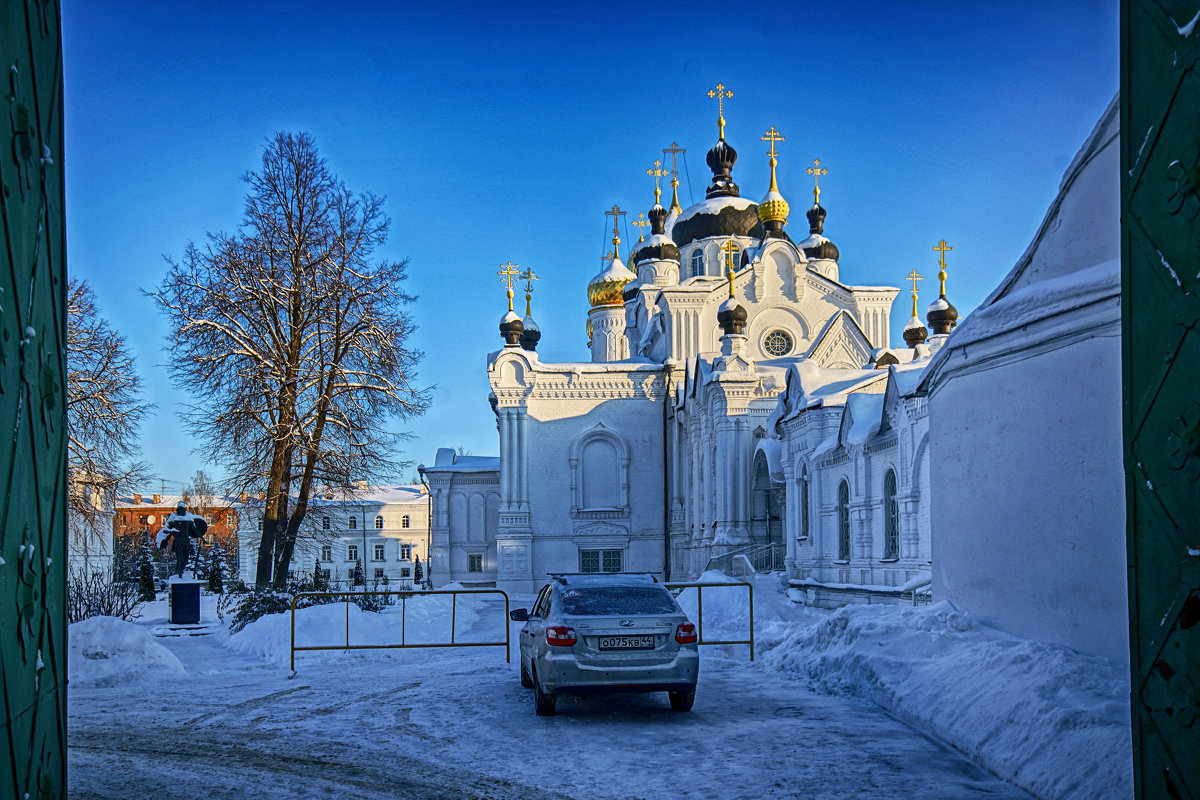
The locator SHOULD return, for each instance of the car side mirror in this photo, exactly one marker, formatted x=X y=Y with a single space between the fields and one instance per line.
x=519 y=615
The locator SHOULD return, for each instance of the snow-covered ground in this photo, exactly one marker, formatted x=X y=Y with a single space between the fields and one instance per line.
x=859 y=702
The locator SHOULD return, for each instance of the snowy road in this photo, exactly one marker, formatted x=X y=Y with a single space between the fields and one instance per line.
x=456 y=724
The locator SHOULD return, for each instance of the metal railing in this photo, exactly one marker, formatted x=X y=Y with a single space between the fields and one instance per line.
x=700 y=587
x=403 y=621
x=753 y=558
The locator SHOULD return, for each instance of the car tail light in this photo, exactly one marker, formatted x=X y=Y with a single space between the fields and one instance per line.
x=560 y=635
x=686 y=633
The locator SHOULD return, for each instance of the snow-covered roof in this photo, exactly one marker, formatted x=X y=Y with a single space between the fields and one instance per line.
x=469 y=464
x=371 y=495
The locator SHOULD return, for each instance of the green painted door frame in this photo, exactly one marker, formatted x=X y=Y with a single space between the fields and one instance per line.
x=33 y=549
x=1160 y=308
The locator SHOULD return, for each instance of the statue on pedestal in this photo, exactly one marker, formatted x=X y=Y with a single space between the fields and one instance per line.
x=178 y=531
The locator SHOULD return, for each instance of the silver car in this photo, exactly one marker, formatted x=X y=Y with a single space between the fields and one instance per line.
x=599 y=633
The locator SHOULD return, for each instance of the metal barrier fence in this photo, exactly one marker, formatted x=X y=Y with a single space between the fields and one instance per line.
x=700 y=587
x=403 y=621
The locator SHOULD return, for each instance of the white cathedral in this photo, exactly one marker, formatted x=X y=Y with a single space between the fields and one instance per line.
x=740 y=401
x=741 y=406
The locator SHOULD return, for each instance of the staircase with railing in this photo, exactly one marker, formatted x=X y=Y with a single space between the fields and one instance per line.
x=742 y=561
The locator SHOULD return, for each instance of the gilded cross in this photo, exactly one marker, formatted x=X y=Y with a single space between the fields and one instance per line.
x=506 y=273
x=721 y=94
x=729 y=248
x=616 y=213
x=914 y=276
x=657 y=172
x=674 y=150
x=772 y=136
x=942 y=247
x=817 y=171
x=642 y=222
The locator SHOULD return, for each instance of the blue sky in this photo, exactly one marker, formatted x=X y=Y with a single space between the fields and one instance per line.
x=502 y=133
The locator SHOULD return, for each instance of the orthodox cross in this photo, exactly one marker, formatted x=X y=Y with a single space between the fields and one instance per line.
x=773 y=136
x=657 y=172
x=615 y=212
x=817 y=171
x=674 y=150
x=942 y=247
x=729 y=248
x=506 y=273
x=914 y=276
x=529 y=277
x=721 y=94
x=642 y=222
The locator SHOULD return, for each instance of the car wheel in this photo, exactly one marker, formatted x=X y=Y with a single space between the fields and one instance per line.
x=682 y=701
x=526 y=681
x=543 y=703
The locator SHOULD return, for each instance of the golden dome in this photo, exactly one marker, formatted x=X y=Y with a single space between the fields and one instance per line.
x=605 y=289
x=773 y=208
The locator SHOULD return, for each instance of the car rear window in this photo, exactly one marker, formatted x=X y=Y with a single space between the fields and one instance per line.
x=594 y=601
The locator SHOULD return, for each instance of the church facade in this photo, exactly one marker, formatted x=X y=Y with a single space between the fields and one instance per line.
x=740 y=401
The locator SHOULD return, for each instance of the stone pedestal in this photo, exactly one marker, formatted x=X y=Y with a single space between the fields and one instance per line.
x=183 y=602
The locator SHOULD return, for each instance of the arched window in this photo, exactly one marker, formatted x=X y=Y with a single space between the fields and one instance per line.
x=325 y=523
x=353 y=522
x=843 y=512
x=600 y=475
x=404 y=521
x=804 y=502
x=378 y=522
x=891 y=517
x=698 y=261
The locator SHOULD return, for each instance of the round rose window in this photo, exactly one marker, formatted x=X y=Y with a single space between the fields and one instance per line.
x=777 y=344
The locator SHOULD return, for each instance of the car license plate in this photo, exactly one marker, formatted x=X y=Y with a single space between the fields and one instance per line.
x=626 y=642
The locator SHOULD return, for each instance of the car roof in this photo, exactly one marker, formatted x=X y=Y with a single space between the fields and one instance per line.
x=604 y=578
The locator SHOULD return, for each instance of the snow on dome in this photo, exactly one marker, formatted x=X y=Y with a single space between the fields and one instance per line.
x=941 y=304
x=530 y=324
x=510 y=316
x=711 y=205
x=913 y=323
x=815 y=240
x=729 y=304
x=106 y=651
x=606 y=288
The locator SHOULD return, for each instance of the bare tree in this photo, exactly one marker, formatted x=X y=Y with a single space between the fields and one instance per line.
x=104 y=411
x=292 y=340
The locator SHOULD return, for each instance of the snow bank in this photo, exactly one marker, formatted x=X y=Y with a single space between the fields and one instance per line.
x=1042 y=716
x=105 y=651
x=419 y=620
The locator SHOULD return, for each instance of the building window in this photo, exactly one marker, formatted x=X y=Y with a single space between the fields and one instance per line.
x=843 y=512
x=406 y=552
x=891 y=517
x=326 y=552
x=144 y=519
x=804 y=502
x=326 y=575
x=379 y=573
x=777 y=344
x=475 y=562
x=698 y=261
x=406 y=572
x=600 y=560
x=352 y=552
x=404 y=521
x=211 y=519
x=325 y=523
x=353 y=523
x=378 y=553
x=378 y=523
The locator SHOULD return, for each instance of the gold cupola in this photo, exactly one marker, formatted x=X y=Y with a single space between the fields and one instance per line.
x=773 y=209
x=606 y=289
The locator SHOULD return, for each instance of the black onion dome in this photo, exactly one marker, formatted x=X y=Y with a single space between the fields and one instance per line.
x=727 y=220
x=511 y=328
x=915 y=333
x=658 y=220
x=720 y=160
x=816 y=246
x=732 y=317
x=659 y=246
x=941 y=316
x=531 y=334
